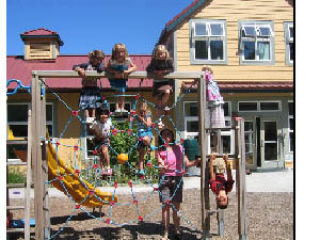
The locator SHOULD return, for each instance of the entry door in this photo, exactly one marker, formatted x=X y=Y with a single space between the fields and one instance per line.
x=269 y=143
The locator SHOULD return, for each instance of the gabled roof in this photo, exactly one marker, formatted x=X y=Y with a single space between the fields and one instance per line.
x=173 y=23
x=41 y=32
x=18 y=68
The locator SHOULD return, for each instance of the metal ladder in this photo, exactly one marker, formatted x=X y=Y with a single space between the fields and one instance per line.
x=26 y=185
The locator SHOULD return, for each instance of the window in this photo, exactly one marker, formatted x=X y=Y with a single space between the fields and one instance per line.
x=291 y=126
x=208 y=41
x=256 y=42
x=191 y=122
x=289 y=36
x=259 y=106
x=18 y=122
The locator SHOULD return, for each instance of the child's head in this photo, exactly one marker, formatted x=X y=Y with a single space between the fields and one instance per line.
x=143 y=109
x=96 y=57
x=204 y=69
x=119 y=52
x=167 y=135
x=103 y=112
x=160 y=53
x=222 y=199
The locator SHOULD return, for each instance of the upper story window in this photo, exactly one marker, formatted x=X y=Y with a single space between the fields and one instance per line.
x=291 y=125
x=256 y=42
x=259 y=106
x=208 y=41
x=289 y=37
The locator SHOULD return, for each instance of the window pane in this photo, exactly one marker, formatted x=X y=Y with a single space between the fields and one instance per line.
x=216 y=50
x=291 y=33
x=201 y=29
x=265 y=31
x=291 y=108
x=270 y=151
x=249 y=50
x=248 y=142
x=226 y=143
x=18 y=113
x=49 y=127
x=248 y=106
x=18 y=151
x=227 y=123
x=249 y=31
x=291 y=141
x=264 y=50
x=226 y=109
x=291 y=51
x=19 y=130
x=192 y=126
x=248 y=126
x=216 y=29
x=201 y=50
x=270 y=131
x=291 y=123
x=49 y=112
x=191 y=109
x=269 y=106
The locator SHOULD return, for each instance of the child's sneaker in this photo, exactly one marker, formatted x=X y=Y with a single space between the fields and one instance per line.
x=166 y=108
x=141 y=172
x=89 y=120
x=109 y=171
x=160 y=124
x=117 y=110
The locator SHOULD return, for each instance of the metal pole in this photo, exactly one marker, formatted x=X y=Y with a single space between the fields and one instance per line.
x=205 y=205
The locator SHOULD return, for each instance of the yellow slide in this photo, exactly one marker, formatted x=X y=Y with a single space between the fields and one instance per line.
x=72 y=183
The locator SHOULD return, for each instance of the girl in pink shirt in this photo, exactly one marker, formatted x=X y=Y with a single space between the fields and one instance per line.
x=170 y=159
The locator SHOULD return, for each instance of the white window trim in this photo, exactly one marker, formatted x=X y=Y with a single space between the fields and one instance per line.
x=208 y=38
x=255 y=39
x=258 y=106
x=288 y=40
x=289 y=130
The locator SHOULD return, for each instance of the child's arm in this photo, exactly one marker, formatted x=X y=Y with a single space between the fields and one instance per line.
x=132 y=67
x=189 y=163
x=228 y=168
x=161 y=164
x=80 y=68
x=147 y=122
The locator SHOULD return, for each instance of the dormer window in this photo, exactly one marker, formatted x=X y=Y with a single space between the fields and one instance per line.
x=40 y=50
x=256 y=42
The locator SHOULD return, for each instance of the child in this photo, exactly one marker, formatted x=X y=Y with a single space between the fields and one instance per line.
x=90 y=96
x=218 y=184
x=101 y=130
x=120 y=66
x=170 y=161
x=214 y=99
x=145 y=135
x=161 y=64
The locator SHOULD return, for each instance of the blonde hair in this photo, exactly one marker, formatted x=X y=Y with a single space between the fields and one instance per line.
x=206 y=68
x=158 y=48
x=143 y=106
x=118 y=46
x=96 y=54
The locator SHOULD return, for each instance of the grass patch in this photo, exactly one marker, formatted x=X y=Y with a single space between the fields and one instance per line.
x=16 y=177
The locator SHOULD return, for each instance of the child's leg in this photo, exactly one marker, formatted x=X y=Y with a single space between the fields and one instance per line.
x=141 y=156
x=121 y=102
x=93 y=113
x=165 y=97
x=166 y=220
x=176 y=218
x=105 y=152
x=86 y=113
x=146 y=140
x=117 y=100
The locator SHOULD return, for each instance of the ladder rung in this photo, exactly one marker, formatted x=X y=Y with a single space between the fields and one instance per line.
x=16 y=185
x=15 y=207
x=15 y=142
x=13 y=230
x=222 y=129
x=16 y=163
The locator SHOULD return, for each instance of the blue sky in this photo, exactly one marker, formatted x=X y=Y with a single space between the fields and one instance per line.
x=92 y=24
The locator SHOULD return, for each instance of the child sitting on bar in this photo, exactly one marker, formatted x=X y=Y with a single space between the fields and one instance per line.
x=218 y=184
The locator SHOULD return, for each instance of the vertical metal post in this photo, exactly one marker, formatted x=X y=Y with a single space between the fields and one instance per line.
x=205 y=205
x=241 y=185
x=39 y=160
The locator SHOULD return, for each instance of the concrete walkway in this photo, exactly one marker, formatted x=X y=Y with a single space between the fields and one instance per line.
x=281 y=181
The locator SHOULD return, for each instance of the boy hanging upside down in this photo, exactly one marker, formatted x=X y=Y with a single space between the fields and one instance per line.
x=218 y=184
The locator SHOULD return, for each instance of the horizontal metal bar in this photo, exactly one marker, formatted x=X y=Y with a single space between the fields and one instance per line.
x=15 y=207
x=15 y=142
x=16 y=185
x=222 y=129
x=14 y=230
x=136 y=74
x=16 y=163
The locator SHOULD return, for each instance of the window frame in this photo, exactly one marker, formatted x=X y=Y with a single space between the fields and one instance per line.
x=259 y=107
x=288 y=40
x=256 y=39
x=289 y=130
x=208 y=38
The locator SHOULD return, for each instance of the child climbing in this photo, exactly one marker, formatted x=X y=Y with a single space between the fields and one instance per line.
x=170 y=160
x=143 y=117
x=119 y=66
x=90 y=97
x=102 y=131
x=161 y=64
x=215 y=100
x=218 y=184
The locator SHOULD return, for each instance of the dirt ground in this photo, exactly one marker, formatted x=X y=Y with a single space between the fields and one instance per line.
x=270 y=216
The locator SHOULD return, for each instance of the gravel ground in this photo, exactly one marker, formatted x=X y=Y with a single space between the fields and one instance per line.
x=270 y=216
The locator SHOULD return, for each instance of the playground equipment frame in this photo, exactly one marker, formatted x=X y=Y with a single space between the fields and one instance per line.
x=40 y=168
